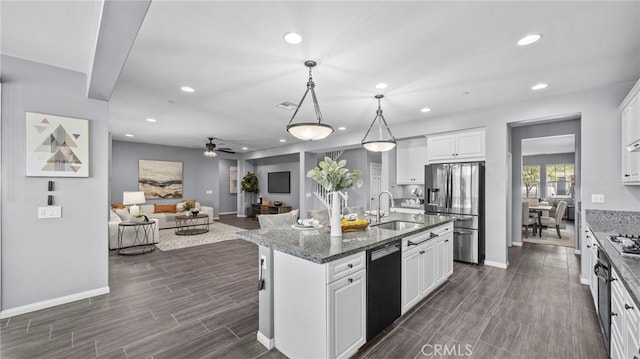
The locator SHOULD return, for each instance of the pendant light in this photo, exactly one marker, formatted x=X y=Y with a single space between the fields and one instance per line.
x=381 y=139
x=309 y=130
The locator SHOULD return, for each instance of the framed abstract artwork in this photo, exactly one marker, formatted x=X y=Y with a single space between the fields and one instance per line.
x=160 y=179
x=56 y=146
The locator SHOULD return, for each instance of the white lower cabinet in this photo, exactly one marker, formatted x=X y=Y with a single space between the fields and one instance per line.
x=591 y=256
x=319 y=309
x=625 y=319
x=426 y=263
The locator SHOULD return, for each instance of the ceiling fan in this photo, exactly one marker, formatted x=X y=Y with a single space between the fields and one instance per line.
x=211 y=149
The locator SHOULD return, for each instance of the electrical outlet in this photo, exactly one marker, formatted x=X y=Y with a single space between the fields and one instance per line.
x=597 y=198
x=50 y=212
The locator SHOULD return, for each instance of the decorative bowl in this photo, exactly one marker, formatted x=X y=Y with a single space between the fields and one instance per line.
x=195 y=213
x=277 y=203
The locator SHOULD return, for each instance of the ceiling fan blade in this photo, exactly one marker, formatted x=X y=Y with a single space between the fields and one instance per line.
x=227 y=150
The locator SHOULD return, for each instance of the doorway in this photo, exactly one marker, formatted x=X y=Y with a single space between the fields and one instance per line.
x=375 y=183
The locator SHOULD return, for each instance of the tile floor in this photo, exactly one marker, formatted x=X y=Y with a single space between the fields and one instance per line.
x=201 y=302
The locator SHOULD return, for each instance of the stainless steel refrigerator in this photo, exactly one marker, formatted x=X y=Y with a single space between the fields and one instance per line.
x=457 y=190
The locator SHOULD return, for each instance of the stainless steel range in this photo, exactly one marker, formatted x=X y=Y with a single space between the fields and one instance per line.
x=626 y=244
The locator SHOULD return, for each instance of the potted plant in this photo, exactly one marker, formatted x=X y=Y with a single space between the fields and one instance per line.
x=334 y=177
x=249 y=183
x=139 y=217
x=188 y=207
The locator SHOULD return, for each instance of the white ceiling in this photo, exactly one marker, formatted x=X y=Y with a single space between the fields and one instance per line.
x=548 y=145
x=429 y=53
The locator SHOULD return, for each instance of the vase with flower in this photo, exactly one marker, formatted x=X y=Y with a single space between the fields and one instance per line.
x=334 y=177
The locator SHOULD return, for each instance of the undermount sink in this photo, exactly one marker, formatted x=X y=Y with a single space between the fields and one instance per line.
x=396 y=225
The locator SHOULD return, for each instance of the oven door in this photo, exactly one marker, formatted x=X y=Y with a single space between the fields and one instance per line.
x=602 y=269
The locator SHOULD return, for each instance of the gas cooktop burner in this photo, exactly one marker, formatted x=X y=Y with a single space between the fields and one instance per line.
x=626 y=244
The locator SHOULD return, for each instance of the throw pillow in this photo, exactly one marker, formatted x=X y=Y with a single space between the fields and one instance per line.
x=192 y=201
x=164 y=208
x=123 y=214
x=117 y=206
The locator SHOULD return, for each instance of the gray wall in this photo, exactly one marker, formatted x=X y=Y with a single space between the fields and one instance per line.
x=44 y=259
x=289 y=163
x=228 y=202
x=543 y=161
x=199 y=173
x=534 y=131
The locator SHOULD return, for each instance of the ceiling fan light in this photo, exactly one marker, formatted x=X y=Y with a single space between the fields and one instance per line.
x=379 y=146
x=210 y=154
x=310 y=131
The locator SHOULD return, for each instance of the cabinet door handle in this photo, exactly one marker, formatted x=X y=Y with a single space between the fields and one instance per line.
x=422 y=252
x=627 y=175
x=588 y=246
x=614 y=314
x=627 y=306
x=350 y=280
x=446 y=240
x=350 y=265
x=636 y=145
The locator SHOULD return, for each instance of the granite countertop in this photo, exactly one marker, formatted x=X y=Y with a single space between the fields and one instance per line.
x=604 y=223
x=316 y=245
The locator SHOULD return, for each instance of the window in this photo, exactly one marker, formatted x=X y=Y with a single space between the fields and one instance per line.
x=561 y=180
x=530 y=181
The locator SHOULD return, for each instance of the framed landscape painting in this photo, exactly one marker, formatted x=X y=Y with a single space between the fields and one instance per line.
x=56 y=146
x=160 y=179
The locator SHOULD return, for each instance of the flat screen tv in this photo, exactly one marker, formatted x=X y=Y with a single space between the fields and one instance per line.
x=278 y=182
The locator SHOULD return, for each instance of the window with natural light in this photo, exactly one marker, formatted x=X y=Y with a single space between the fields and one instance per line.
x=562 y=179
x=530 y=181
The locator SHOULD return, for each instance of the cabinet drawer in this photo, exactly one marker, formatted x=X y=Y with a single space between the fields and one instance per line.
x=443 y=230
x=343 y=267
x=413 y=242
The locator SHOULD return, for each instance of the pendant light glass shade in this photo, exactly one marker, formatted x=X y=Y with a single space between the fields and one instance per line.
x=378 y=137
x=309 y=130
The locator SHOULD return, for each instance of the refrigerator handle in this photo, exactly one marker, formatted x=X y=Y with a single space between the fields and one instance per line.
x=447 y=202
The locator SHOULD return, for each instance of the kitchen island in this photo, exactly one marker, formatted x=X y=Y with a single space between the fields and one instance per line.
x=313 y=298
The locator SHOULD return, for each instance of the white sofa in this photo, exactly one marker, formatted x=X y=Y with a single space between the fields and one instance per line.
x=163 y=220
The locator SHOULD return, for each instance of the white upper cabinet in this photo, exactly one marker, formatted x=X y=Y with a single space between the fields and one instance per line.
x=411 y=156
x=630 y=115
x=461 y=146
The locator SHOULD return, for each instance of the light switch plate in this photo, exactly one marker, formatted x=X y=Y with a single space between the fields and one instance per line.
x=50 y=212
x=308 y=195
x=597 y=198
x=209 y=191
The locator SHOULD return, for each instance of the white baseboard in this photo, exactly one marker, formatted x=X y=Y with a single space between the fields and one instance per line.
x=516 y=244
x=242 y=215
x=52 y=302
x=268 y=343
x=496 y=264
x=584 y=281
x=227 y=212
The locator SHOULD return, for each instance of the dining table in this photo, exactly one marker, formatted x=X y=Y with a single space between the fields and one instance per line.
x=538 y=209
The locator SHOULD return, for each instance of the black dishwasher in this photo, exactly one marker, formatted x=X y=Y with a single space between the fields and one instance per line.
x=383 y=287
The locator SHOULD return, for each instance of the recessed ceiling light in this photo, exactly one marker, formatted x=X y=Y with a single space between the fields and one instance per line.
x=342 y=128
x=539 y=86
x=187 y=89
x=466 y=93
x=292 y=38
x=381 y=85
x=151 y=120
x=245 y=148
x=129 y=135
x=529 y=39
x=426 y=109
x=283 y=140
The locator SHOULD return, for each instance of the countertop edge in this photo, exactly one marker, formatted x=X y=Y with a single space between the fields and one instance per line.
x=321 y=260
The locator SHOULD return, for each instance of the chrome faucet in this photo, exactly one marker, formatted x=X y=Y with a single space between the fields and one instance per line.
x=390 y=199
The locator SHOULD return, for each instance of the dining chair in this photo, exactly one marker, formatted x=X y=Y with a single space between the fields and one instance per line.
x=527 y=220
x=268 y=221
x=556 y=221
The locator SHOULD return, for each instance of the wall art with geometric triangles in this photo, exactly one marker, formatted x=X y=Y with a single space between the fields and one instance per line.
x=57 y=146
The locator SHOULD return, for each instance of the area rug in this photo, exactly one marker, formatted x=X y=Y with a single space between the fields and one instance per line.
x=549 y=236
x=218 y=232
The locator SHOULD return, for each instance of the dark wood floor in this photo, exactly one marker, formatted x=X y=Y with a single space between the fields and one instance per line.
x=201 y=302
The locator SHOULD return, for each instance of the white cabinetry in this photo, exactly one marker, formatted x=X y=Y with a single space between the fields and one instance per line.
x=630 y=114
x=456 y=147
x=427 y=261
x=625 y=334
x=411 y=156
x=591 y=256
x=319 y=309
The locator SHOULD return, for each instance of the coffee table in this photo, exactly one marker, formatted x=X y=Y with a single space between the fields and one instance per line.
x=189 y=225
